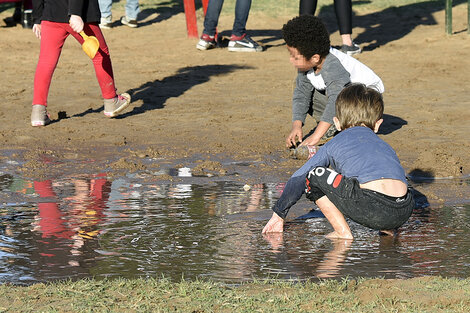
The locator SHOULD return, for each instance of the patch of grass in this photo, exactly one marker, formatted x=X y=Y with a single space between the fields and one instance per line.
x=427 y=294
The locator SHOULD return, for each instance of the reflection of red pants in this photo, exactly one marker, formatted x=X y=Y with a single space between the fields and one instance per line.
x=51 y=221
x=53 y=36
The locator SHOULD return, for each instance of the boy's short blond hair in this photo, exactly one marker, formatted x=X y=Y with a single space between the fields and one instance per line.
x=359 y=105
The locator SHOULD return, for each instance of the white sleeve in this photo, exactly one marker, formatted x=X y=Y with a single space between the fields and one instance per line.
x=359 y=72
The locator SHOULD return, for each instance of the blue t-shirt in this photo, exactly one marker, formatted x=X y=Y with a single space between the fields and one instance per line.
x=356 y=152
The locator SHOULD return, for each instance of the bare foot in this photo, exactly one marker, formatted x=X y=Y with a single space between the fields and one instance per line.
x=335 y=235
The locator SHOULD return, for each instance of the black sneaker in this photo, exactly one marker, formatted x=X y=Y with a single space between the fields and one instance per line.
x=351 y=50
x=27 y=20
x=243 y=44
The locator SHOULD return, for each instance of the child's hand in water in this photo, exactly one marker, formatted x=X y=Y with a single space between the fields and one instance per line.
x=76 y=23
x=275 y=225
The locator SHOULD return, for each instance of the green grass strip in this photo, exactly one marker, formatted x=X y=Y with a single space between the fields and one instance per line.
x=427 y=294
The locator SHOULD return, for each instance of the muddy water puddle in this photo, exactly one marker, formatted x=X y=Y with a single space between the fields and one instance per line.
x=204 y=227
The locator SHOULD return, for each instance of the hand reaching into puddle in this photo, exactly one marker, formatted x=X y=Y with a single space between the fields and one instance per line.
x=275 y=225
x=275 y=240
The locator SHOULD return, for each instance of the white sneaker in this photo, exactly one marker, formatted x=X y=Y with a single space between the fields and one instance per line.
x=39 y=115
x=129 y=22
x=114 y=106
x=106 y=22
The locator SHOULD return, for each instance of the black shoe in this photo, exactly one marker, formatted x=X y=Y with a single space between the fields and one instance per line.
x=11 y=21
x=27 y=20
x=351 y=50
x=243 y=44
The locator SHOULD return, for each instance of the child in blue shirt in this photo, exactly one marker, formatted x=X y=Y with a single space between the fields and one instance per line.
x=355 y=175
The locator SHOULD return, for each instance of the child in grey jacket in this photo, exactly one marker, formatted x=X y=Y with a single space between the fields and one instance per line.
x=322 y=73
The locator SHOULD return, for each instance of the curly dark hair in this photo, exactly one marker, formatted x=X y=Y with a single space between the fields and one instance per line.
x=308 y=35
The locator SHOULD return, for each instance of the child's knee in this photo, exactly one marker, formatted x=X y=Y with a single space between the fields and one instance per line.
x=319 y=180
x=313 y=191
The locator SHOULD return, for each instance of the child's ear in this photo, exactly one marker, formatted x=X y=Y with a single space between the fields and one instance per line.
x=337 y=124
x=315 y=59
x=377 y=125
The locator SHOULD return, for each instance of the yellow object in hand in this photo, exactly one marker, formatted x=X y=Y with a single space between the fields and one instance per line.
x=90 y=45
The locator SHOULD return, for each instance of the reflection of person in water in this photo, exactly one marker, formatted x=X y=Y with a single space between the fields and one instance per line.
x=334 y=259
x=51 y=220
x=327 y=267
x=64 y=235
x=389 y=257
x=255 y=198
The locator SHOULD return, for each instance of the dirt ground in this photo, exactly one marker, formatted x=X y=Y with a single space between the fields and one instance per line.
x=189 y=103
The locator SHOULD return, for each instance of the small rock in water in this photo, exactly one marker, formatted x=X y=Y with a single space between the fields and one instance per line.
x=246 y=187
x=303 y=152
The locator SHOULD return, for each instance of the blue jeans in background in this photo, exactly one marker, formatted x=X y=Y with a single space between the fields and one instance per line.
x=132 y=8
x=242 y=9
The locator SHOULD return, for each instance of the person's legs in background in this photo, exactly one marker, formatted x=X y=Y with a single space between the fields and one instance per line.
x=242 y=10
x=343 y=10
x=132 y=10
x=27 y=16
x=106 y=15
x=307 y=7
x=240 y=41
x=208 y=40
x=23 y=14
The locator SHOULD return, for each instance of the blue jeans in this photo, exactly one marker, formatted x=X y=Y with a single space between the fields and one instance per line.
x=242 y=9
x=132 y=8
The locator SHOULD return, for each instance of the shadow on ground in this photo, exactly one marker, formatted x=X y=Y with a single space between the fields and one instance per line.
x=155 y=93
x=390 y=24
x=380 y=28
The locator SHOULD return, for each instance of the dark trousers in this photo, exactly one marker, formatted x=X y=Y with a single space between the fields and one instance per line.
x=366 y=207
x=343 y=10
x=242 y=9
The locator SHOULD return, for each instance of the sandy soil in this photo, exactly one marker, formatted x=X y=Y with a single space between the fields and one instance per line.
x=188 y=103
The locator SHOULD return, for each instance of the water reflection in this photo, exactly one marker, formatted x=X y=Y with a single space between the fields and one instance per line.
x=84 y=226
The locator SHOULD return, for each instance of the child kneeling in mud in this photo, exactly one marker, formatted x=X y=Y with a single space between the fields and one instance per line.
x=365 y=183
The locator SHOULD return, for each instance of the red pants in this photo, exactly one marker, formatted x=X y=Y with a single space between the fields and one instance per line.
x=53 y=36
